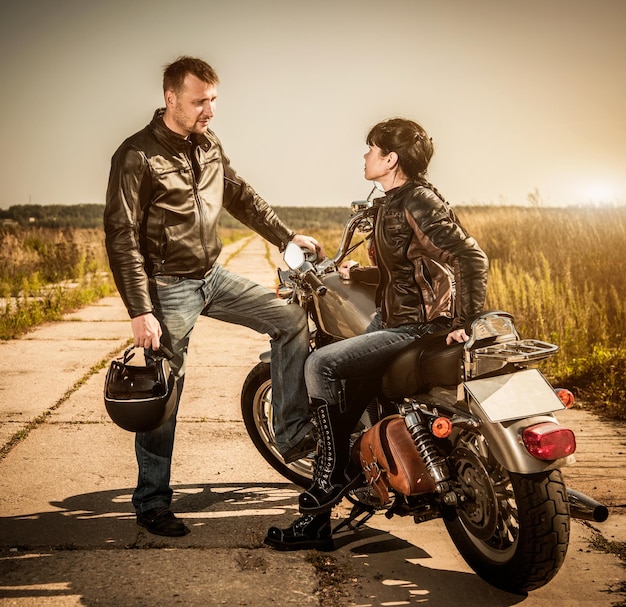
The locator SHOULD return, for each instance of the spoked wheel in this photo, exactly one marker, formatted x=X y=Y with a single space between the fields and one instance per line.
x=513 y=529
x=258 y=417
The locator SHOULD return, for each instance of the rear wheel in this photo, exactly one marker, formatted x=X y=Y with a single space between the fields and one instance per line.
x=513 y=530
x=258 y=417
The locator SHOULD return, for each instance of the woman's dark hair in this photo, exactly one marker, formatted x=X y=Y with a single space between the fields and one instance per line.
x=174 y=73
x=408 y=140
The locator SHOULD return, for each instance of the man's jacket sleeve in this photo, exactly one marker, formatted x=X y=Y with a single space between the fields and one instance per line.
x=129 y=183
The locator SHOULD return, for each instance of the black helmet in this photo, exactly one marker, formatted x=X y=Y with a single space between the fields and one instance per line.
x=140 y=399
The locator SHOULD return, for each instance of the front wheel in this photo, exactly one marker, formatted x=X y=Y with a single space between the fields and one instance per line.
x=258 y=417
x=513 y=530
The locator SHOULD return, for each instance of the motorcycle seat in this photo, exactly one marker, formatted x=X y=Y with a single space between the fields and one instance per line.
x=427 y=363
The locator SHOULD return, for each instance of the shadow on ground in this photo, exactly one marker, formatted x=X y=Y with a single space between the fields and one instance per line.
x=87 y=550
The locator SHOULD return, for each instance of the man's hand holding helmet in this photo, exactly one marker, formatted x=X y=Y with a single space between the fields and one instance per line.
x=146 y=331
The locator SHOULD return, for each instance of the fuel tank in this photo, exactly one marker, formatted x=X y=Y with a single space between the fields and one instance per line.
x=348 y=306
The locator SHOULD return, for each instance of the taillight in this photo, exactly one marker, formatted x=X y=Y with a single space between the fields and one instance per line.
x=549 y=441
x=566 y=397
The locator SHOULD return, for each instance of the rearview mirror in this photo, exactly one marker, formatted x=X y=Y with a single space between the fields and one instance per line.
x=293 y=256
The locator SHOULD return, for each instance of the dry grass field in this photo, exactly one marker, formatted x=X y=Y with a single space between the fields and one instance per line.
x=560 y=272
x=46 y=272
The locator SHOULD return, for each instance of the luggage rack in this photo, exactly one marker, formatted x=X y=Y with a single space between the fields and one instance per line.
x=517 y=351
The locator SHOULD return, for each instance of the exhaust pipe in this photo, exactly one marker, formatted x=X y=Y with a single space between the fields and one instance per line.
x=581 y=506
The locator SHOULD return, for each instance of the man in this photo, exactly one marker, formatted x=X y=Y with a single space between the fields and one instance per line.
x=167 y=185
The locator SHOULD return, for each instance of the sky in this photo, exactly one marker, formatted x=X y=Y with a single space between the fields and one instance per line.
x=522 y=100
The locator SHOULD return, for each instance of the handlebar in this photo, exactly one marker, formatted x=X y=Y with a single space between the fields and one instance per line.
x=311 y=278
x=309 y=268
x=357 y=220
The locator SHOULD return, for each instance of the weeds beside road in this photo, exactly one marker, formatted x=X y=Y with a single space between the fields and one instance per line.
x=48 y=272
x=560 y=272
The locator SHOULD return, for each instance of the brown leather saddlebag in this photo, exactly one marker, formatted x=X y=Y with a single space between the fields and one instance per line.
x=390 y=459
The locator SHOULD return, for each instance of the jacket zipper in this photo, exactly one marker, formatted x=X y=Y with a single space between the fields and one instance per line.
x=385 y=299
x=198 y=203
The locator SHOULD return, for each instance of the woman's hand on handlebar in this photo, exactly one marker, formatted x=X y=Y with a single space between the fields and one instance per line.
x=457 y=336
x=308 y=242
x=345 y=267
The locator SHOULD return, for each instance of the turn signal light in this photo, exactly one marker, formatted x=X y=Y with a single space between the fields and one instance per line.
x=566 y=397
x=441 y=427
x=284 y=291
x=549 y=441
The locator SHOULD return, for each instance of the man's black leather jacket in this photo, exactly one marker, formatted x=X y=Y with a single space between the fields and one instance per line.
x=429 y=266
x=163 y=200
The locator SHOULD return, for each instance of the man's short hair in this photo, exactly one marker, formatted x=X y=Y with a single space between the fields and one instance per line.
x=174 y=73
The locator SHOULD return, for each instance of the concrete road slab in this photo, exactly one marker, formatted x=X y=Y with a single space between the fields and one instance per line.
x=400 y=563
x=156 y=578
x=600 y=464
x=67 y=530
x=108 y=309
x=38 y=374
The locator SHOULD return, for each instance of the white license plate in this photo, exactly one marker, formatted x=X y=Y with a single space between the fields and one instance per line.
x=514 y=396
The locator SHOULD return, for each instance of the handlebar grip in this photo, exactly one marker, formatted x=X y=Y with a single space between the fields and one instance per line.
x=316 y=284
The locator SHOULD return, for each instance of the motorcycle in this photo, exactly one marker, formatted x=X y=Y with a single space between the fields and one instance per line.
x=484 y=439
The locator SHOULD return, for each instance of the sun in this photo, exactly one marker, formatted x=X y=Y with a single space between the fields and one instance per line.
x=599 y=192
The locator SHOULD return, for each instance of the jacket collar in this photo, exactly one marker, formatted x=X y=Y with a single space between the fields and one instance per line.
x=174 y=139
x=392 y=194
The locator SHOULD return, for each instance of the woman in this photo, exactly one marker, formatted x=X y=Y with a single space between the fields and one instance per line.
x=433 y=277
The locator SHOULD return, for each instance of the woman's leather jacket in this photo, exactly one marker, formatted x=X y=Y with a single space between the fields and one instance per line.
x=163 y=200
x=429 y=266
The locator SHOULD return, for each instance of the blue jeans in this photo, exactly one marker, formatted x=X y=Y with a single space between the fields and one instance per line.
x=359 y=358
x=178 y=302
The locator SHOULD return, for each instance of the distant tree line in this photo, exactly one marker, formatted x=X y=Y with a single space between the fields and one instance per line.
x=300 y=218
x=54 y=215
x=90 y=216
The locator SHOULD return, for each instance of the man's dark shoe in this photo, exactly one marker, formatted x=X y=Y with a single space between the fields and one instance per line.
x=161 y=521
x=307 y=445
x=309 y=532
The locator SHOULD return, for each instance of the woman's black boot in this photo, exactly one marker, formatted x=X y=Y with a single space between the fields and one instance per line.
x=335 y=473
x=309 y=532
